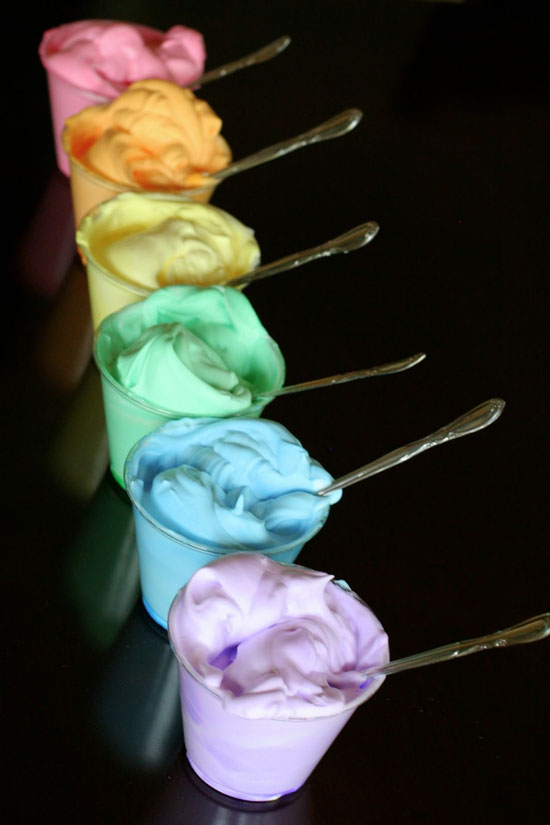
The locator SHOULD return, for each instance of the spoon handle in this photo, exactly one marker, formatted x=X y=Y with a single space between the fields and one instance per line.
x=344 y=377
x=472 y=421
x=530 y=630
x=259 y=56
x=336 y=126
x=353 y=239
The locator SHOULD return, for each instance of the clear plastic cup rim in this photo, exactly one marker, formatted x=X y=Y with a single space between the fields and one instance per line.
x=95 y=98
x=128 y=394
x=94 y=214
x=118 y=187
x=375 y=682
x=209 y=550
x=155 y=409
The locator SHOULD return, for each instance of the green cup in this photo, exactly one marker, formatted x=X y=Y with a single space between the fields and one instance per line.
x=130 y=416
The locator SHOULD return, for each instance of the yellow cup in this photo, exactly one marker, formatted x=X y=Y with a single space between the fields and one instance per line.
x=113 y=287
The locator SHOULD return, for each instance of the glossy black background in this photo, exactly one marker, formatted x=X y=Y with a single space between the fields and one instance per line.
x=451 y=160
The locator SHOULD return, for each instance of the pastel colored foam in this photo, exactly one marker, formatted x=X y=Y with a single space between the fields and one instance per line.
x=154 y=137
x=89 y=62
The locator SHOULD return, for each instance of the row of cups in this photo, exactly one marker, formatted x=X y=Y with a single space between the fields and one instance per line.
x=270 y=758
x=255 y=759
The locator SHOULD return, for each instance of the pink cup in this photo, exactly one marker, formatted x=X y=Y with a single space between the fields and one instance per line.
x=66 y=98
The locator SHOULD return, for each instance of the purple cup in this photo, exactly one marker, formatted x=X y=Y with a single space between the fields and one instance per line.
x=258 y=760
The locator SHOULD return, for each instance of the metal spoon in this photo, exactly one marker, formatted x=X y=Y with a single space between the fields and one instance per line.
x=342 y=378
x=472 y=421
x=259 y=56
x=335 y=127
x=353 y=239
x=530 y=630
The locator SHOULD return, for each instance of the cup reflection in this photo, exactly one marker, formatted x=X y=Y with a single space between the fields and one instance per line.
x=187 y=799
x=102 y=577
x=136 y=709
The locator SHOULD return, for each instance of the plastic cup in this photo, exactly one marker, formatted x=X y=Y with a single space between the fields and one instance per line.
x=168 y=559
x=129 y=417
x=66 y=99
x=254 y=759
x=108 y=291
x=88 y=189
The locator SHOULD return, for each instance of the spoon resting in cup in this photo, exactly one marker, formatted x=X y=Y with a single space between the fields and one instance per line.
x=530 y=630
x=342 y=378
x=477 y=419
x=336 y=126
x=259 y=56
x=352 y=239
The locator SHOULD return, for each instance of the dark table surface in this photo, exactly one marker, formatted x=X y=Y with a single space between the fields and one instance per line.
x=451 y=160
